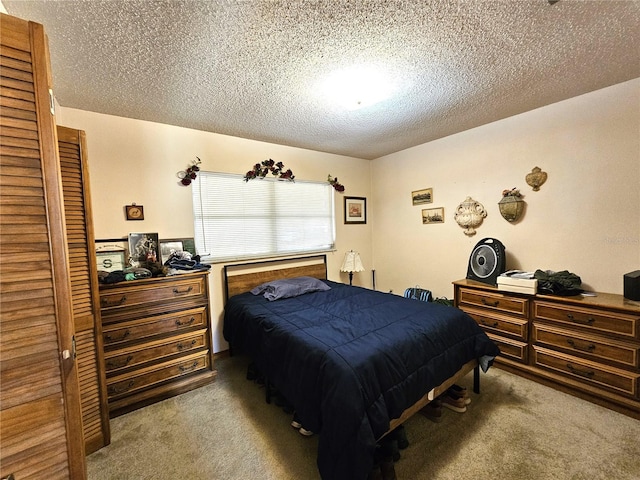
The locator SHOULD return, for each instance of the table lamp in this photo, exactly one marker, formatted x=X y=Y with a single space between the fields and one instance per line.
x=351 y=263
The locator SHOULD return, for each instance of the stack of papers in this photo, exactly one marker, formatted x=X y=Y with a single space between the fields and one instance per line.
x=518 y=281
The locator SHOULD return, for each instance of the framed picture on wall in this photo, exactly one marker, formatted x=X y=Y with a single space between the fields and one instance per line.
x=432 y=215
x=422 y=196
x=355 y=210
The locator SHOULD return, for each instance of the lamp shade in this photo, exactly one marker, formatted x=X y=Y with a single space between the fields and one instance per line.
x=352 y=262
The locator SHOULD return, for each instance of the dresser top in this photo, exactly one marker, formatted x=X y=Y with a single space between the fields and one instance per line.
x=145 y=281
x=608 y=300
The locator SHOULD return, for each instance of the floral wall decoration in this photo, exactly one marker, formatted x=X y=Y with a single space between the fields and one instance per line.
x=261 y=170
x=190 y=174
x=335 y=184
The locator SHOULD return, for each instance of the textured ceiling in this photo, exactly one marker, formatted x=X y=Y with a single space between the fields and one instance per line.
x=255 y=69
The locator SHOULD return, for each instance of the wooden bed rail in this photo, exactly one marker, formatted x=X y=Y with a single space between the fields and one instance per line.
x=435 y=392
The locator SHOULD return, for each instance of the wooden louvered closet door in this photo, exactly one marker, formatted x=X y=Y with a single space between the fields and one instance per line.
x=85 y=297
x=40 y=417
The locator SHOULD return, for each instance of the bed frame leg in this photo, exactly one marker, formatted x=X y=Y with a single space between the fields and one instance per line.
x=267 y=391
x=476 y=379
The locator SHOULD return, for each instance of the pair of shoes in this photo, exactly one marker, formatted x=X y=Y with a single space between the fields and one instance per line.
x=433 y=410
x=295 y=423
x=453 y=403
x=456 y=391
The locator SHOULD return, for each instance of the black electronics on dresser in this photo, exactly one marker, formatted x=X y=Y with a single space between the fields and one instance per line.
x=632 y=285
x=487 y=261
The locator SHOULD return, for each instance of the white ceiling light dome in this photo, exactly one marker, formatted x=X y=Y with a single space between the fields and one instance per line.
x=358 y=86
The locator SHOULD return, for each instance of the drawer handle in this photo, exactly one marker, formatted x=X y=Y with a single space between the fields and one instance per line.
x=588 y=348
x=188 y=367
x=113 y=390
x=177 y=291
x=110 y=339
x=182 y=346
x=588 y=321
x=582 y=373
x=182 y=324
x=493 y=325
x=105 y=302
x=113 y=364
x=490 y=304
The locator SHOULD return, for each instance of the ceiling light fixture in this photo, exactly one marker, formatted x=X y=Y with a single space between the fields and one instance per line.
x=357 y=86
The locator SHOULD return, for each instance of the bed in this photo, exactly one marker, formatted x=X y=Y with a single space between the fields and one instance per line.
x=354 y=363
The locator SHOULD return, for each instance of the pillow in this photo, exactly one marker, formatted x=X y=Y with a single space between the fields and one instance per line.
x=289 y=287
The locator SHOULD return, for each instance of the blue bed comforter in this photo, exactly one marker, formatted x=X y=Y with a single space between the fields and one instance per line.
x=350 y=359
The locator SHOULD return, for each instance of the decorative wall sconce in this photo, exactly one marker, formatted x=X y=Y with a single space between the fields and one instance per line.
x=469 y=214
x=536 y=178
x=511 y=206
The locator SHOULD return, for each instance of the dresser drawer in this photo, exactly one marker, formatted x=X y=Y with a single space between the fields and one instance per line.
x=588 y=372
x=594 y=320
x=160 y=325
x=494 y=301
x=139 y=354
x=500 y=324
x=136 y=380
x=593 y=347
x=133 y=294
x=511 y=349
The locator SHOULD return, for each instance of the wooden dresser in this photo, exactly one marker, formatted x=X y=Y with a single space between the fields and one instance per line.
x=586 y=346
x=157 y=339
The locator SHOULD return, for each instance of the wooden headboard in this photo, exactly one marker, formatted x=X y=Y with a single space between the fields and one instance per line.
x=242 y=277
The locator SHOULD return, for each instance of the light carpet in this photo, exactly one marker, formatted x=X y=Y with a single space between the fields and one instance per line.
x=514 y=429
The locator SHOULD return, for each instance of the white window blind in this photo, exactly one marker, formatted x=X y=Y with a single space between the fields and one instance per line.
x=266 y=217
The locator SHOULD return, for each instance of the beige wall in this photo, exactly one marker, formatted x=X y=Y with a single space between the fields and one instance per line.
x=585 y=218
x=137 y=161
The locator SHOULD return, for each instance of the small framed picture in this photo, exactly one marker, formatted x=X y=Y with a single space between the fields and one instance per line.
x=355 y=210
x=112 y=246
x=432 y=215
x=134 y=212
x=171 y=245
x=111 y=260
x=422 y=196
x=143 y=247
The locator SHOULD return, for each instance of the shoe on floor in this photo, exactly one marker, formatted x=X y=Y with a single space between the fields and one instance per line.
x=457 y=391
x=455 y=404
x=433 y=410
x=401 y=436
x=305 y=432
x=295 y=423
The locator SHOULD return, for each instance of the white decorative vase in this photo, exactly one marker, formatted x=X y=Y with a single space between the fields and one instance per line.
x=469 y=215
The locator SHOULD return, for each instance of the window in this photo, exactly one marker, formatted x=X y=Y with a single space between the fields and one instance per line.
x=235 y=219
